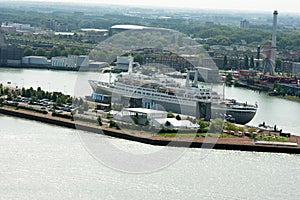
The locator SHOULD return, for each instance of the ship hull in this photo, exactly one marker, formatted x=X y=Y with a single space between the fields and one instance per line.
x=241 y=117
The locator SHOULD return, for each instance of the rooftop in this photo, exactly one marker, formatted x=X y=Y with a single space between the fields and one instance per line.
x=128 y=27
x=145 y=110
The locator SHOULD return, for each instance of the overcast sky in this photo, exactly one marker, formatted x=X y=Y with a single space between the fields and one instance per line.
x=253 y=5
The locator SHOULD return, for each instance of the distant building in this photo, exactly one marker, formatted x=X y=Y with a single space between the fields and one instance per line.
x=59 y=61
x=209 y=75
x=18 y=26
x=9 y=29
x=120 y=28
x=296 y=68
x=98 y=65
x=72 y=61
x=35 y=60
x=209 y=23
x=64 y=33
x=78 y=14
x=94 y=31
x=10 y=55
x=123 y=62
x=244 y=24
x=83 y=61
x=126 y=27
x=56 y=26
x=286 y=67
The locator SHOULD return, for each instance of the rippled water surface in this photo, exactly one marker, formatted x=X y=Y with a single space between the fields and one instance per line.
x=40 y=161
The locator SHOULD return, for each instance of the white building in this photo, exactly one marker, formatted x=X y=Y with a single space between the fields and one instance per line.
x=18 y=26
x=35 y=60
x=174 y=123
x=71 y=61
x=142 y=113
x=59 y=61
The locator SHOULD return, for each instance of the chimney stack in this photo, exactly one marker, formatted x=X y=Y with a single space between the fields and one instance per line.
x=274 y=35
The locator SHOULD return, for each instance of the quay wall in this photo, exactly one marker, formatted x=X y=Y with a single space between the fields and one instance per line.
x=151 y=141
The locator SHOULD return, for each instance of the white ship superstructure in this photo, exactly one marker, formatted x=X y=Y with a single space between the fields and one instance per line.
x=162 y=92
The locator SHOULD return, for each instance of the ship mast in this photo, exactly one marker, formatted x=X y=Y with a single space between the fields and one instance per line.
x=130 y=65
x=224 y=90
x=187 y=82
x=109 y=80
x=195 y=84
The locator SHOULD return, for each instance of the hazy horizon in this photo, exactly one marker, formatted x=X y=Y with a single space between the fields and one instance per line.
x=253 y=5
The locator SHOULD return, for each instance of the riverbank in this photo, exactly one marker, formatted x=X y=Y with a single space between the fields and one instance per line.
x=267 y=90
x=46 y=67
x=49 y=67
x=241 y=144
x=290 y=98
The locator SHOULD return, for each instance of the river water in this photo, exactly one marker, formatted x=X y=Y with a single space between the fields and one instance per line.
x=41 y=161
x=272 y=110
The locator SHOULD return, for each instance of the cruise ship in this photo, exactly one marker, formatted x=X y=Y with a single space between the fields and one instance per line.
x=162 y=92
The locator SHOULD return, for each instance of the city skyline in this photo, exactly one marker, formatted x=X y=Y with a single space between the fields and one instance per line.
x=253 y=5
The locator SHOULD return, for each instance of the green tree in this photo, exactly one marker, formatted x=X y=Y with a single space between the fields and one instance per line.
x=216 y=126
x=203 y=126
x=99 y=120
x=55 y=51
x=225 y=62
x=170 y=115
x=41 y=52
x=246 y=62
x=139 y=58
x=77 y=52
x=28 y=51
x=206 y=47
x=167 y=124
x=178 y=117
x=278 y=63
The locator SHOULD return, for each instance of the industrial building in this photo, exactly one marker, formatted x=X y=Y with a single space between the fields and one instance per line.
x=72 y=61
x=98 y=65
x=10 y=55
x=35 y=60
x=209 y=75
x=59 y=61
x=244 y=24
x=123 y=62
